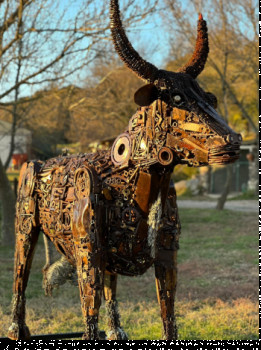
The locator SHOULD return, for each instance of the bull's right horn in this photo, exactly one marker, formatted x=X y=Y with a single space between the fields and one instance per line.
x=197 y=62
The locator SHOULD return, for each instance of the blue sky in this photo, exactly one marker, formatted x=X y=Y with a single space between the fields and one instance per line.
x=145 y=37
x=150 y=39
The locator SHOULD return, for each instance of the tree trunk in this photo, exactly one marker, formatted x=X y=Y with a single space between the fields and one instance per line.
x=222 y=199
x=209 y=173
x=7 y=199
x=253 y=179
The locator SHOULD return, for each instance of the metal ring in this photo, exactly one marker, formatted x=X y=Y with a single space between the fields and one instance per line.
x=165 y=156
x=121 y=150
x=82 y=182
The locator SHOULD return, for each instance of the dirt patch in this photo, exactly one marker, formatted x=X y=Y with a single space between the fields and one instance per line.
x=192 y=269
x=249 y=206
x=201 y=279
x=224 y=293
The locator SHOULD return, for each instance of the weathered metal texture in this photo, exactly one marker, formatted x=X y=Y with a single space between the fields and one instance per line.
x=114 y=212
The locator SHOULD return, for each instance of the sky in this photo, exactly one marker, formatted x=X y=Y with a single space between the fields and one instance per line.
x=151 y=39
x=151 y=33
x=143 y=37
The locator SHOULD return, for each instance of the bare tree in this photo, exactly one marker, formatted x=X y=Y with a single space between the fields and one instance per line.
x=226 y=51
x=233 y=33
x=231 y=71
x=42 y=43
x=26 y=60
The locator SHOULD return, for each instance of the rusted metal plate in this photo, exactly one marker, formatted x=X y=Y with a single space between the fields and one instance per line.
x=142 y=192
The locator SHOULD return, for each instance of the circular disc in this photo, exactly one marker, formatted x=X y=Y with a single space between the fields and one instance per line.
x=82 y=183
x=121 y=149
x=165 y=156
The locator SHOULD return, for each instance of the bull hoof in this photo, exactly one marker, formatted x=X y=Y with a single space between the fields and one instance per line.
x=88 y=337
x=117 y=334
x=18 y=332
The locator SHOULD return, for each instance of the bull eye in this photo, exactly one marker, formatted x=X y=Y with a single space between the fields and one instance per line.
x=177 y=99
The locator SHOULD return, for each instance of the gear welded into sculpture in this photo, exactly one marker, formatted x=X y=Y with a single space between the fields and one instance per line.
x=115 y=212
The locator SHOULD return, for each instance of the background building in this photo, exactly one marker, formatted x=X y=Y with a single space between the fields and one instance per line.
x=23 y=141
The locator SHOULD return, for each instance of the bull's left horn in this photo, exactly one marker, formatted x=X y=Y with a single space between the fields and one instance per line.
x=127 y=53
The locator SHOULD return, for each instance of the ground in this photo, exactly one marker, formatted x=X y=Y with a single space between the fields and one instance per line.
x=217 y=293
x=247 y=206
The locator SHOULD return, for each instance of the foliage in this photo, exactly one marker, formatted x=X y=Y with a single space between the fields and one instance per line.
x=81 y=115
x=14 y=174
x=183 y=172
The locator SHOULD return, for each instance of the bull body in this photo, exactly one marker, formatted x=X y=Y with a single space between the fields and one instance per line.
x=114 y=212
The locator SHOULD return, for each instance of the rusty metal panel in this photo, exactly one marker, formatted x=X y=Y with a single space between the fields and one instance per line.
x=142 y=192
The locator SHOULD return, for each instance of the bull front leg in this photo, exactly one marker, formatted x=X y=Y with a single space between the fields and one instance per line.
x=115 y=330
x=166 y=281
x=90 y=262
x=166 y=264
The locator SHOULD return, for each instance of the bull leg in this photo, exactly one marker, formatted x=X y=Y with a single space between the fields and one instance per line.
x=90 y=262
x=166 y=280
x=115 y=330
x=25 y=246
x=48 y=261
x=90 y=280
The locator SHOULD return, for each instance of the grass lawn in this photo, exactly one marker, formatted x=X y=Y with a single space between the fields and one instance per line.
x=217 y=296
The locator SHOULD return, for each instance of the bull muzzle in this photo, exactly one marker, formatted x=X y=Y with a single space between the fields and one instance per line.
x=227 y=153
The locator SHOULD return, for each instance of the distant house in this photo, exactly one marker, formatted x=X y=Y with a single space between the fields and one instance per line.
x=23 y=141
x=245 y=171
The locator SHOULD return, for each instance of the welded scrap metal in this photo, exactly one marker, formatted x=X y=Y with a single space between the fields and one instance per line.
x=114 y=212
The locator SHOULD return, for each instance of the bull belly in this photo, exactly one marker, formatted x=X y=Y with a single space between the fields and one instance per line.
x=132 y=261
x=128 y=266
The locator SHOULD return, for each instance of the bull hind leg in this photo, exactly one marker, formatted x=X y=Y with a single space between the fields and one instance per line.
x=115 y=330
x=27 y=233
x=25 y=246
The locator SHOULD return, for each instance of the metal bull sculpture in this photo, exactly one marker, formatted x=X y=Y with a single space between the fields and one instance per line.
x=114 y=212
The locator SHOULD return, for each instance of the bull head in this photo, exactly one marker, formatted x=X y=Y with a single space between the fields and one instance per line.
x=195 y=133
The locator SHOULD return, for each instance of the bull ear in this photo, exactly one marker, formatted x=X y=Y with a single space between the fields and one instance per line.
x=146 y=95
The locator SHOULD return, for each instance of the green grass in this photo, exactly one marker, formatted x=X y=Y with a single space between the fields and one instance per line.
x=217 y=294
x=245 y=195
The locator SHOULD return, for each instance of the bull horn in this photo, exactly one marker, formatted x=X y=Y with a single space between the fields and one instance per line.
x=127 y=53
x=197 y=62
